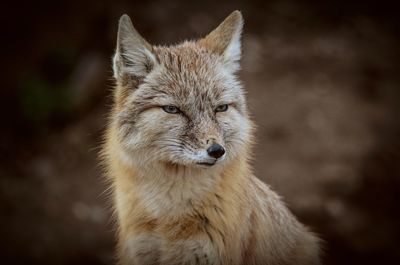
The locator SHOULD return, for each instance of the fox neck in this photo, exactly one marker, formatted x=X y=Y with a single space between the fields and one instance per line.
x=170 y=190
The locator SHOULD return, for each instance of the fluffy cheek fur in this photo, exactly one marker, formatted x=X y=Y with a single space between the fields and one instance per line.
x=153 y=134
x=237 y=131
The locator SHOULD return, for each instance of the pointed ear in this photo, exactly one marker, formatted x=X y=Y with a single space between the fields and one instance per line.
x=225 y=40
x=134 y=55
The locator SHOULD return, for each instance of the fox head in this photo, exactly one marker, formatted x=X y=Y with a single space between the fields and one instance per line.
x=182 y=104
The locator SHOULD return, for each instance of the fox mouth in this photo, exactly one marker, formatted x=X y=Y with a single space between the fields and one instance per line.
x=209 y=164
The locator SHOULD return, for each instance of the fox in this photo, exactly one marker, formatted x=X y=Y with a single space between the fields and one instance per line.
x=177 y=151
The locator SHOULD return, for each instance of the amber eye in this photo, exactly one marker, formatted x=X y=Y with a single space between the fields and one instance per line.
x=171 y=109
x=222 y=108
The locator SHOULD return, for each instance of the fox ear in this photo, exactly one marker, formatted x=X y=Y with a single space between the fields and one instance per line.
x=225 y=40
x=134 y=55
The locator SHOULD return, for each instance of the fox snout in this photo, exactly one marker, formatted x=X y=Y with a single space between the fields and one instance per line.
x=209 y=138
x=213 y=153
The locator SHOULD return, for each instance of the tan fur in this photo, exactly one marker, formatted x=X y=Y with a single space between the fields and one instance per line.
x=171 y=210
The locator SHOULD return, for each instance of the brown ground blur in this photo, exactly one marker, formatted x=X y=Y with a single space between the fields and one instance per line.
x=323 y=87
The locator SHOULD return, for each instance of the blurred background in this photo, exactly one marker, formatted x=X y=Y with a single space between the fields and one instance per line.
x=323 y=87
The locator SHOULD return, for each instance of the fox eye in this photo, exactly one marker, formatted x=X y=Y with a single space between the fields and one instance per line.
x=222 y=108
x=171 y=109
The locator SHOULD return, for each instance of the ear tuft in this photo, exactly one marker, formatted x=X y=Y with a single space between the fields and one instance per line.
x=133 y=54
x=225 y=40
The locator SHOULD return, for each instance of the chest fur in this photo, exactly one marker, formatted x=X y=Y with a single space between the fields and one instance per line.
x=189 y=240
x=210 y=232
x=185 y=222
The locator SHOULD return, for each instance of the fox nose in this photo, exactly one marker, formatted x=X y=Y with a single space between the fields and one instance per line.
x=216 y=151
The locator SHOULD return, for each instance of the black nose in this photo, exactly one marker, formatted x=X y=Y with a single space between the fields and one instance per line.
x=216 y=151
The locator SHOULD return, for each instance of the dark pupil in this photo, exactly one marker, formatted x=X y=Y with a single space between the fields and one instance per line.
x=171 y=109
x=222 y=107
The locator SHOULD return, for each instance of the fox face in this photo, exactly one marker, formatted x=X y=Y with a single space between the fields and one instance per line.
x=181 y=105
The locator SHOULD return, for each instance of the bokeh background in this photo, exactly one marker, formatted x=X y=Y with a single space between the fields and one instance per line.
x=323 y=86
